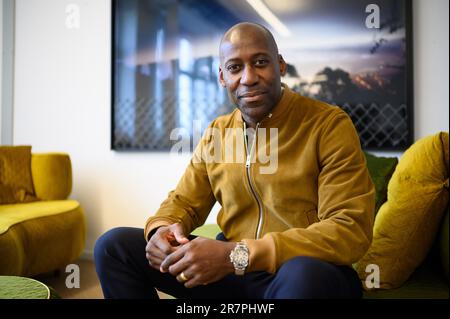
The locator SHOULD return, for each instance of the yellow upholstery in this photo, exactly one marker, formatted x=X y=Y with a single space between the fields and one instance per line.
x=52 y=175
x=38 y=245
x=407 y=224
x=16 y=213
x=47 y=234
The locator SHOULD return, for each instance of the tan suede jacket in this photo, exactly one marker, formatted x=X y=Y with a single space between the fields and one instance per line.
x=314 y=197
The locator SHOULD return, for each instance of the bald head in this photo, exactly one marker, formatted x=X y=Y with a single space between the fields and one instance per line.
x=247 y=29
x=251 y=69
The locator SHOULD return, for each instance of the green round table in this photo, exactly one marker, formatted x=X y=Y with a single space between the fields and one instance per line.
x=15 y=287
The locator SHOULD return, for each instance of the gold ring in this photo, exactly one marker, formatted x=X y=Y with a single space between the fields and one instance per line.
x=183 y=277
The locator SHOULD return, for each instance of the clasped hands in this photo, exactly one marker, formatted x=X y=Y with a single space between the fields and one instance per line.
x=200 y=261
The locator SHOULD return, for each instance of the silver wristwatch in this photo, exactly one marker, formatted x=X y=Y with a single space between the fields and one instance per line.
x=239 y=257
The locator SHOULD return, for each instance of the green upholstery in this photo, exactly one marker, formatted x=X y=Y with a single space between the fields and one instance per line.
x=207 y=230
x=381 y=170
x=14 y=287
x=406 y=225
x=429 y=280
x=44 y=235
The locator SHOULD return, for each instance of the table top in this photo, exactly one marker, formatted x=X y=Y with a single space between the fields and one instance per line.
x=15 y=287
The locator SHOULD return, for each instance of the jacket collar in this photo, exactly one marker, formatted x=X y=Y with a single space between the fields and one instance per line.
x=278 y=111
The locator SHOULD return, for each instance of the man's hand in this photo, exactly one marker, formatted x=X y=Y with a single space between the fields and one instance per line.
x=202 y=261
x=166 y=240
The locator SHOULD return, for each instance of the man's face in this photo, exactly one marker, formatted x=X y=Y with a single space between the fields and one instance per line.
x=250 y=70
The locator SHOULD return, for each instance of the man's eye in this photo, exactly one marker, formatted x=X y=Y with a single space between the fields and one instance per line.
x=233 y=68
x=261 y=62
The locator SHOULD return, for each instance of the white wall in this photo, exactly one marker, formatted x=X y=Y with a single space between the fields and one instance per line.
x=1 y=62
x=62 y=103
x=431 y=55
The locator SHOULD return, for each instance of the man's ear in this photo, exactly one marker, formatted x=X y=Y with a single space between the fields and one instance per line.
x=221 y=79
x=283 y=65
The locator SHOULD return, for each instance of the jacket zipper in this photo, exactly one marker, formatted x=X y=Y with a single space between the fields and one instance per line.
x=252 y=188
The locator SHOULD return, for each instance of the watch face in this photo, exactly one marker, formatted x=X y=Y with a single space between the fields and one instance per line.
x=240 y=258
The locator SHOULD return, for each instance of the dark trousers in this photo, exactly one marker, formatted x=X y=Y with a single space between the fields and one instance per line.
x=124 y=272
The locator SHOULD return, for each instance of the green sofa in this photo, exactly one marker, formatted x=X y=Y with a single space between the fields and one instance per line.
x=430 y=279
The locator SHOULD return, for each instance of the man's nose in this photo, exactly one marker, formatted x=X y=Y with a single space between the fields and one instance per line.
x=249 y=76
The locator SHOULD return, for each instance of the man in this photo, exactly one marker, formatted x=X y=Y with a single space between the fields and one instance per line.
x=291 y=233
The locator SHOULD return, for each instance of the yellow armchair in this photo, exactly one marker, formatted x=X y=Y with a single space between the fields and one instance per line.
x=46 y=234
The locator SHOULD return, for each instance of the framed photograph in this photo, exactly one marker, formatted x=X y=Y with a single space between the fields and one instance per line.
x=356 y=54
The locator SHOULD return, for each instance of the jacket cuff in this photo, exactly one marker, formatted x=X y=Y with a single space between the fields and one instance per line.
x=155 y=224
x=263 y=254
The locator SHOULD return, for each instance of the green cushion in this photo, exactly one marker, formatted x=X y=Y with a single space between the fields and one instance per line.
x=207 y=230
x=380 y=170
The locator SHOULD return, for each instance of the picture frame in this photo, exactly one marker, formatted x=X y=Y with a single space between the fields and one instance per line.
x=356 y=54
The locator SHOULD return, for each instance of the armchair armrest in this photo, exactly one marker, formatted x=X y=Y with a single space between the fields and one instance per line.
x=52 y=175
